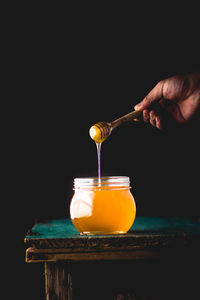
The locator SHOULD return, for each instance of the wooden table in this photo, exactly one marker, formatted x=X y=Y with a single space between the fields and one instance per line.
x=111 y=266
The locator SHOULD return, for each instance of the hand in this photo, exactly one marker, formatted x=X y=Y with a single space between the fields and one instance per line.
x=177 y=97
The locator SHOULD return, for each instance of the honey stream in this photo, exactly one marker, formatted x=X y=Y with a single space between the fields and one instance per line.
x=99 y=161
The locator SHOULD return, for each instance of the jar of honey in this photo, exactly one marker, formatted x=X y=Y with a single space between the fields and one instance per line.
x=102 y=206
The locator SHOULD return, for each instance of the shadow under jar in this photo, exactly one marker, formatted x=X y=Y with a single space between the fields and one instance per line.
x=102 y=206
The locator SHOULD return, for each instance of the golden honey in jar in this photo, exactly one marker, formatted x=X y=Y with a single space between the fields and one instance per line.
x=102 y=205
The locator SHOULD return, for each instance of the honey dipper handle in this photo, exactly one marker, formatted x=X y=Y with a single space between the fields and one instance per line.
x=132 y=115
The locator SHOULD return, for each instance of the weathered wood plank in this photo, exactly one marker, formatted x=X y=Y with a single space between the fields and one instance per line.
x=34 y=255
x=62 y=234
x=136 y=241
x=53 y=255
x=58 y=281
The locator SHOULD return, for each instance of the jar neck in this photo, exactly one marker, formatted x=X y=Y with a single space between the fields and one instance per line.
x=104 y=183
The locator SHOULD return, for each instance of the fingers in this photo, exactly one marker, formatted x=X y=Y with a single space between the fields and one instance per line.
x=146 y=115
x=153 y=118
x=154 y=96
x=159 y=123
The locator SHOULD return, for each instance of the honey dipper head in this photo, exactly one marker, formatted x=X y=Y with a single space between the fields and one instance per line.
x=100 y=131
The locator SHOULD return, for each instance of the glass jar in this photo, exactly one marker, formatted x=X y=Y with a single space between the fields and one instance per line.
x=102 y=206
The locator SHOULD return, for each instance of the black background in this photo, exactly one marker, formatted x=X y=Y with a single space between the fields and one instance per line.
x=71 y=68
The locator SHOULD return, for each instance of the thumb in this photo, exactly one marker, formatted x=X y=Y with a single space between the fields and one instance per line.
x=153 y=96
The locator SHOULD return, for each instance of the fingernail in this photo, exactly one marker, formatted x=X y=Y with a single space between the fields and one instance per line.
x=136 y=107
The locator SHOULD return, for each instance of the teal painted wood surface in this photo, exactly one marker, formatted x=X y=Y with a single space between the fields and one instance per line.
x=59 y=240
x=143 y=226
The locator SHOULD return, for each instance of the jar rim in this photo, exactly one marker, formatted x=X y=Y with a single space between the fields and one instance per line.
x=103 y=182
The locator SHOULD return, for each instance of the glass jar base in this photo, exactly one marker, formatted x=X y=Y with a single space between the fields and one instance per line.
x=102 y=232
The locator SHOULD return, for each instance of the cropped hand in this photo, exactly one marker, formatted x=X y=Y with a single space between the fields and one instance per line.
x=176 y=98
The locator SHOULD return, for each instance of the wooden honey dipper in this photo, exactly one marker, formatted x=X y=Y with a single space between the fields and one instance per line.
x=100 y=131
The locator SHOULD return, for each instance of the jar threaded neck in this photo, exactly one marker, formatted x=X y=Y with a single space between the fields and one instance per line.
x=118 y=182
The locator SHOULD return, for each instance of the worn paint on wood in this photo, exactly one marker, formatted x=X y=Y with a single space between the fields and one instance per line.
x=59 y=240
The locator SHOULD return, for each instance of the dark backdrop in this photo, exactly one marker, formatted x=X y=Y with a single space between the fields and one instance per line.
x=69 y=87
x=73 y=71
